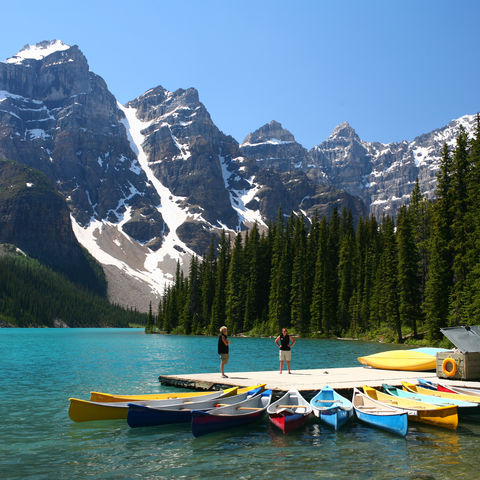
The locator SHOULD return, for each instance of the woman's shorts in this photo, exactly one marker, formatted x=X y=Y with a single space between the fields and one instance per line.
x=285 y=355
x=224 y=358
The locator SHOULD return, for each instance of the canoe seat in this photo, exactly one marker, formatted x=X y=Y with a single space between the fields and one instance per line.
x=291 y=406
x=376 y=410
x=370 y=408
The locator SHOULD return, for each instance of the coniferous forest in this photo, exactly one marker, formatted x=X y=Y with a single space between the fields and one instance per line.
x=33 y=295
x=328 y=277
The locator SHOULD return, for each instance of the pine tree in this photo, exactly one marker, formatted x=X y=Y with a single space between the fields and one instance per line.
x=218 y=315
x=439 y=282
x=346 y=273
x=150 y=322
x=191 y=311
x=252 y=313
x=330 y=303
x=459 y=227
x=278 y=302
x=207 y=285
x=409 y=281
x=358 y=279
x=235 y=297
x=419 y=213
x=472 y=287
x=298 y=295
x=318 y=290
x=371 y=258
x=386 y=280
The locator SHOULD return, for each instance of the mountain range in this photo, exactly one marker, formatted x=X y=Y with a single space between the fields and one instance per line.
x=150 y=183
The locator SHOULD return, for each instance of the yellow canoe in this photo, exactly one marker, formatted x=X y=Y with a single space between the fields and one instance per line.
x=410 y=387
x=409 y=360
x=86 y=410
x=111 y=398
x=440 y=416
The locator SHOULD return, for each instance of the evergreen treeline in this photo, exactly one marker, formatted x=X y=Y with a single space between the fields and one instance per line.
x=328 y=277
x=32 y=295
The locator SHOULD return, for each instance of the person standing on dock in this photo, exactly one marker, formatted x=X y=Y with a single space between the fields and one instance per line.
x=283 y=342
x=223 y=343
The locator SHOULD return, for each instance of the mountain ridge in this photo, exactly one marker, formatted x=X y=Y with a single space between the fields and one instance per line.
x=150 y=183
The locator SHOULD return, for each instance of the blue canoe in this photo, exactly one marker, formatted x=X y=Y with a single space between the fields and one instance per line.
x=378 y=414
x=223 y=418
x=464 y=408
x=147 y=416
x=331 y=407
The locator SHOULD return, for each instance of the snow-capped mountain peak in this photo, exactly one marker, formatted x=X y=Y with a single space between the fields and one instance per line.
x=38 y=51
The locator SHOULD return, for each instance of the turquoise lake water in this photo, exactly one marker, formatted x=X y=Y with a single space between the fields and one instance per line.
x=41 y=368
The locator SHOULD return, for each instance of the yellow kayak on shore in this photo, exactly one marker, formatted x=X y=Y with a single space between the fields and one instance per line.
x=408 y=360
x=440 y=416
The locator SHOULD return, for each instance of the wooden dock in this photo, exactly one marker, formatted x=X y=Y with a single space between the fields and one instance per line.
x=308 y=382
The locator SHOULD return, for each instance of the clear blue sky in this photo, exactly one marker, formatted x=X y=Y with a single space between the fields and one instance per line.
x=393 y=69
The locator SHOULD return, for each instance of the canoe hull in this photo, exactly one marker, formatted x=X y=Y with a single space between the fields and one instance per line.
x=463 y=408
x=417 y=410
x=335 y=417
x=85 y=411
x=331 y=408
x=397 y=424
x=290 y=411
x=379 y=415
x=445 y=417
x=203 y=423
x=141 y=416
x=226 y=417
x=146 y=416
x=410 y=387
x=475 y=392
x=288 y=422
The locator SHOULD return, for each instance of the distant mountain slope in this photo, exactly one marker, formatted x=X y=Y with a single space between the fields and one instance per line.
x=35 y=218
x=32 y=295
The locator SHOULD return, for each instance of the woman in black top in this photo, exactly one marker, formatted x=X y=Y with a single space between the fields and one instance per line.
x=223 y=343
x=283 y=342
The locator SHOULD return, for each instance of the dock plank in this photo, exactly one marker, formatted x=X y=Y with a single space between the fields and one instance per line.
x=305 y=381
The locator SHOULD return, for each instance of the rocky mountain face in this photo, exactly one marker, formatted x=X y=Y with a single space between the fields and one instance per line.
x=383 y=175
x=35 y=218
x=60 y=118
x=272 y=146
x=274 y=149
x=148 y=184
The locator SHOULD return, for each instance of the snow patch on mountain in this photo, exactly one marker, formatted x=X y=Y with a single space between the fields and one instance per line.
x=109 y=245
x=269 y=141
x=38 y=51
x=172 y=248
x=240 y=198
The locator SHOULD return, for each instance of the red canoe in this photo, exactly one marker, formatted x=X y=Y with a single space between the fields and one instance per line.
x=290 y=411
